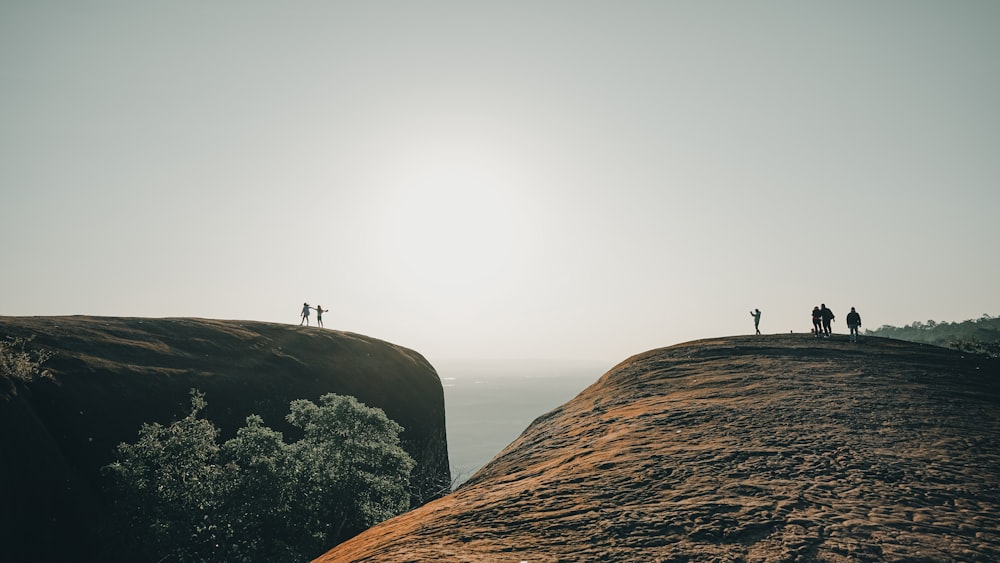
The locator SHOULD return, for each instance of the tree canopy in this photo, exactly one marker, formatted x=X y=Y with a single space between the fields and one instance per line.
x=181 y=496
x=980 y=335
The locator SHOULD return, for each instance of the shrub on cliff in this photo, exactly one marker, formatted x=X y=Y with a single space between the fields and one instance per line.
x=183 y=497
x=19 y=363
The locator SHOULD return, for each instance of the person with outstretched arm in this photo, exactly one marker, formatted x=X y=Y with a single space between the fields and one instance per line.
x=319 y=315
x=756 y=319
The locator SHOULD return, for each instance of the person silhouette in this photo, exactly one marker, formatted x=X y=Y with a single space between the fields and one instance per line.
x=756 y=319
x=817 y=317
x=828 y=317
x=853 y=324
x=305 y=314
x=319 y=315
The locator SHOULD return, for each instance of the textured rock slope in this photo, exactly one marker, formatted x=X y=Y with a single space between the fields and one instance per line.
x=774 y=448
x=113 y=374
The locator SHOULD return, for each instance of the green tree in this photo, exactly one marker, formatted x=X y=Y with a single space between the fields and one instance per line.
x=183 y=497
x=171 y=487
x=350 y=469
x=979 y=336
x=258 y=508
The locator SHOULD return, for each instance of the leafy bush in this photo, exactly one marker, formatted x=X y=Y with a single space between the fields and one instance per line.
x=183 y=497
x=172 y=487
x=349 y=463
x=20 y=364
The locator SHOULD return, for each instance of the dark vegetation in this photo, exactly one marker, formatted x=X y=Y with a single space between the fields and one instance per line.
x=181 y=496
x=977 y=336
x=74 y=389
x=19 y=363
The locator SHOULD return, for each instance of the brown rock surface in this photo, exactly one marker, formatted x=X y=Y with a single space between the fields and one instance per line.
x=110 y=375
x=774 y=448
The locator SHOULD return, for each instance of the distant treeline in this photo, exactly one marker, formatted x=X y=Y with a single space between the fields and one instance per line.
x=980 y=336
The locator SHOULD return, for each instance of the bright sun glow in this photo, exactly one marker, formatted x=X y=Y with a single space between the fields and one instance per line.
x=453 y=226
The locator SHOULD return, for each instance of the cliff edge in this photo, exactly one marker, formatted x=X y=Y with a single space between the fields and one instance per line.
x=110 y=375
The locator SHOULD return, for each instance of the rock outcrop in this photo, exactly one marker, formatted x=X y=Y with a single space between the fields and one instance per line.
x=110 y=375
x=768 y=448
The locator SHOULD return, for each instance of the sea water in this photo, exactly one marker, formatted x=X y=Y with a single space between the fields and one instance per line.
x=489 y=403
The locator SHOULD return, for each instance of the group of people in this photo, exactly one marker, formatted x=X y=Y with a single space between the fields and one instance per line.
x=821 y=319
x=319 y=314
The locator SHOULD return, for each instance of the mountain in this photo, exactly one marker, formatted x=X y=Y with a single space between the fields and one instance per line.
x=758 y=448
x=110 y=375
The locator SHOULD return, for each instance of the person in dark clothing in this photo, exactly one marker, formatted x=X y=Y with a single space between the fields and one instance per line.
x=853 y=324
x=756 y=319
x=827 y=319
x=817 y=322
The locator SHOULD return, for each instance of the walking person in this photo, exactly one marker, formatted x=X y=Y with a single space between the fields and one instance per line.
x=817 y=317
x=853 y=324
x=305 y=314
x=827 y=319
x=756 y=319
x=319 y=315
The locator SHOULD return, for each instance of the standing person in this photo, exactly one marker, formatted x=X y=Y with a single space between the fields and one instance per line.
x=853 y=323
x=319 y=315
x=827 y=319
x=756 y=319
x=305 y=314
x=817 y=322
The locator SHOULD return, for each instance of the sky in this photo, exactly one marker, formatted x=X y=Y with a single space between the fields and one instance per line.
x=543 y=179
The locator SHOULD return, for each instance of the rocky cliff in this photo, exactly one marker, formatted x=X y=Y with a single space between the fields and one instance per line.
x=110 y=375
x=771 y=448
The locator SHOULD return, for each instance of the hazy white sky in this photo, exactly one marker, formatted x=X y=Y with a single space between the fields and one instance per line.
x=502 y=179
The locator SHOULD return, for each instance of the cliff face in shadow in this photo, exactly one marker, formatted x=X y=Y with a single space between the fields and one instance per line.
x=772 y=448
x=110 y=375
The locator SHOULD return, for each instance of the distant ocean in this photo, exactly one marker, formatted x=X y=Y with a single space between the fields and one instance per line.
x=489 y=403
